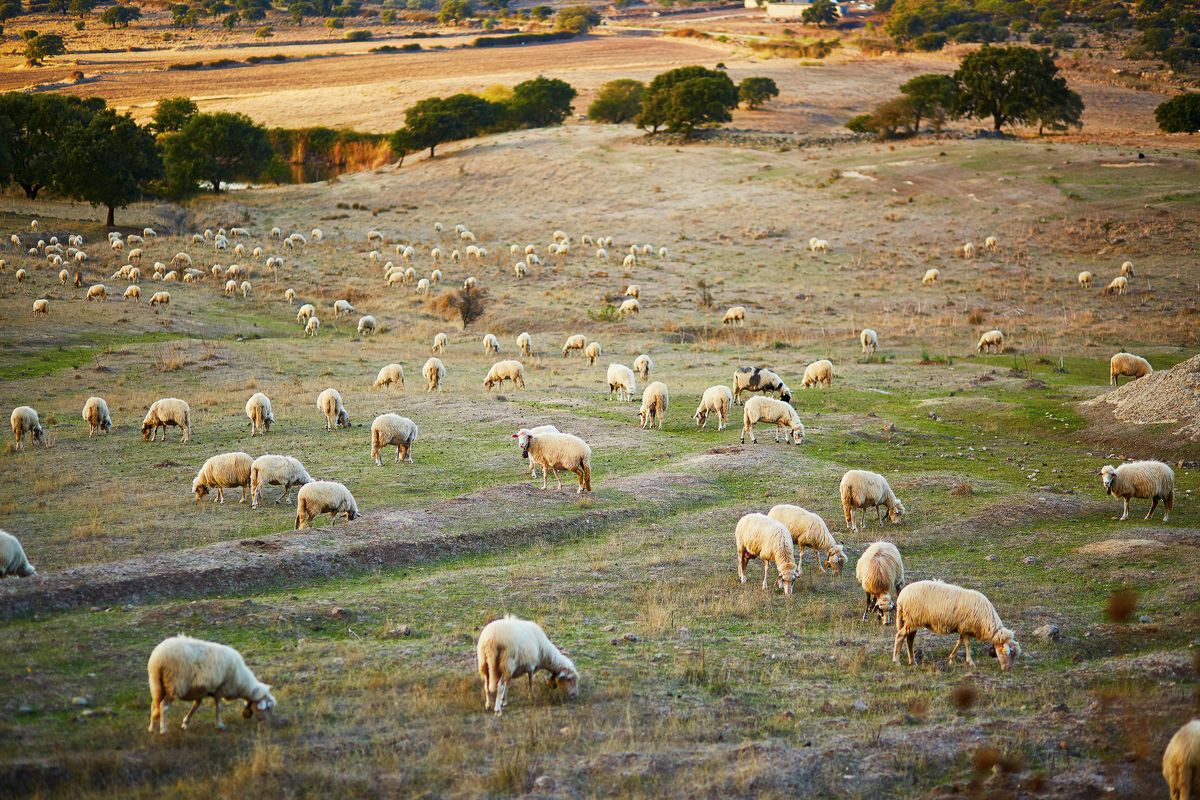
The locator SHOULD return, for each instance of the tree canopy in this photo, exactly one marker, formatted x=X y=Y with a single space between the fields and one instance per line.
x=1015 y=84
x=820 y=13
x=172 y=113
x=756 y=91
x=40 y=125
x=541 y=102
x=435 y=120
x=931 y=97
x=1180 y=114
x=109 y=161
x=685 y=97
x=44 y=45
x=218 y=148
x=120 y=15
x=617 y=101
x=579 y=19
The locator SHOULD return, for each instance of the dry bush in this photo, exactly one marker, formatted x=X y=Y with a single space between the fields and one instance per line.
x=466 y=304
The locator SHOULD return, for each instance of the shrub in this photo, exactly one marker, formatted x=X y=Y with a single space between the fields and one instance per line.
x=756 y=91
x=1180 y=114
x=358 y=36
x=863 y=123
x=264 y=32
x=930 y=42
x=617 y=101
x=333 y=22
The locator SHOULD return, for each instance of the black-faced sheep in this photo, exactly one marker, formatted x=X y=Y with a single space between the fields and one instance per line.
x=555 y=451
x=759 y=379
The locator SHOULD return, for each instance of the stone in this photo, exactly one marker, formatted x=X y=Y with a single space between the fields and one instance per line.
x=1048 y=632
x=399 y=632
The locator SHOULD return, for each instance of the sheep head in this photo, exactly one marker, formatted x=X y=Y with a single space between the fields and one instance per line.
x=701 y=417
x=343 y=419
x=147 y=427
x=883 y=607
x=786 y=579
x=523 y=438
x=1109 y=474
x=567 y=680
x=835 y=559
x=260 y=700
x=896 y=512
x=1007 y=649
x=199 y=489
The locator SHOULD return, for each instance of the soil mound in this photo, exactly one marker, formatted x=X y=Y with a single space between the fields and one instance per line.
x=1170 y=396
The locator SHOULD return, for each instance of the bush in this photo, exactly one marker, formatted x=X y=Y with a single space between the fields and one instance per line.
x=577 y=19
x=1061 y=40
x=617 y=101
x=80 y=25
x=523 y=38
x=333 y=22
x=264 y=32
x=1179 y=114
x=931 y=42
x=863 y=123
x=756 y=91
x=358 y=36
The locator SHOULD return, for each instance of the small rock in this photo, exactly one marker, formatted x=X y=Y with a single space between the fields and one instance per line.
x=1048 y=631
x=543 y=782
x=633 y=637
x=1144 y=619
x=990 y=558
x=80 y=701
x=1029 y=560
x=25 y=710
x=399 y=633
x=609 y=628
x=339 y=613
x=860 y=706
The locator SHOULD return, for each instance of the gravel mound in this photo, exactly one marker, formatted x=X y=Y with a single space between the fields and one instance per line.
x=1167 y=396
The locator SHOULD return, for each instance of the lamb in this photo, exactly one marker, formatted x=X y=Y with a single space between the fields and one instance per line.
x=98 y=292
x=509 y=648
x=324 y=497
x=630 y=306
x=1118 y=285
x=1181 y=761
x=869 y=341
x=12 y=558
x=817 y=373
x=862 y=490
x=95 y=414
x=931 y=277
x=654 y=405
x=182 y=668
x=759 y=536
x=621 y=381
x=880 y=572
x=735 y=314
x=759 y=379
x=770 y=410
x=258 y=409
x=312 y=327
x=642 y=366
x=574 y=342
x=434 y=372
x=272 y=470
x=342 y=308
x=225 y=471
x=1145 y=480
x=164 y=413
x=716 y=400
x=367 y=325
x=633 y=290
x=25 y=420
x=991 y=244
x=507 y=370
x=160 y=299
x=389 y=374
x=555 y=451
x=1127 y=365
x=329 y=403
x=992 y=340
x=392 y=429
x=439 y=343
x=592 y=351
x=41 y=306
x=490 y=343
x=945 y=608
x=1085 y=279
x=1127 y=269
x=525 y=344
x=809 y=530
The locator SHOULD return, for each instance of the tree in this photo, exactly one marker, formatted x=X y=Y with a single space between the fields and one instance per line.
x=40 y=125
x=81 y=8
x=578 y=19
x=1180 y=114
x=1053 y=105
x=455 y=11
x=109 y=161
x=44 y=45
x=10 y=9
x=120 y=15
x=820 y=13
x=709 y=98
x=932 y=97
x=403 y=143
x=217 y=148
x=541 y=102
x=435 y=120
x=172 y=113
x=1013 y=84
x=617 y=101
x=756 y=91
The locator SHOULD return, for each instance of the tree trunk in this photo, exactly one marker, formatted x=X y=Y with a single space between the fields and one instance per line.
x=998 y=120
x=110 y=222
x=31 y=190
x=431 y=150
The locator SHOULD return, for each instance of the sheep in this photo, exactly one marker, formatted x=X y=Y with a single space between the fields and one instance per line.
x=181 y=258
x=555 y=451
x=342 y=308
x=270 y=470
x=324 y=497
x=576 y=341
x=945 y=608
x=1127 y=269
x=629 y=306
x=12 y=558
x=25 y=420
x=621 y=381
x=509 y=648
x=932 y=276
x=160 y=299
x=20 y=275
x=367 y=325
x=317 y=234
x=258 y=410
x=98 y=292
x=312 y=327
x=642 y=366
x=63 y=276
x=392 y=429
x=817 y=373
x=329 y=403
x=593 y=351
x=968 y=250
x=735 y=314
x=769 y=410
x=135 y=255
x=388 y=375
x=818 y=245
x=290 y=296
x=759 y=379
x=525 y=344
x=880 y=572
x=423 y=286
x=1118 y=285
x=1085 y=279
x=164 y=413
x=491 y=344
x=602 y=255
x=41 y=306
x=862 y=490
x=716 y=400
x=991 y=244
x=1181 y=761
x=1145 y=480
x=225 y=471
x=435 y=277
x=809 y=530
x=869 y=341
x=305 y=312
x=95 y=414
x=663 y=252
x=230 y=287
x=991 y=341
x=633 y=290
x=1127 y=365
x=183 y=668
x=759 y=536
x=655 y=399
x=434 y=372
x=507 y=370
x=519 y=269
x=439 y=343
x=171 y=276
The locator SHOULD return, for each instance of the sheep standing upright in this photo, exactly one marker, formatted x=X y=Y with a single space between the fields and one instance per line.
x=945 y=608
x=1145 y=480
x=258 y=411
x=621 y=382
x=525 y=344
x=95 y=414
x=509 y=648
x=817 y=373
x=809 y=530
x=759 y=536
x=991 y=341
x=861 y=490
x=880 y=572
x=12 y=558
x=555 y=451
x=593 y=351
x=642 y=365
x=1181 y=762
x=183 y=668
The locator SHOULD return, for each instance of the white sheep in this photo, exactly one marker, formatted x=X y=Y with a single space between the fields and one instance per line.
x=182 y=668
x=159 y=299
x=990 y=341
x=224 y=471
x=63 y=276
x=509 y=648
x=593 y=351
x=861 y=490
x=576 y=341
x=95 y=414
x=312 y=327
x=367 y=325
x=388 y=375
x=1127 y=269
x=435 y=277
x=324 y=497
x=735 y=314
x=231 y=287
x=642 y=365
x=621 y=382
x=817 y=373
x=1127 y=365
x=13 y=561
x=392 y=430
x=305 y=312
x=716 y=400
x=271 y=470
x=507 y=370
x=869 y=341
x=932 y=276
x=171 y=276
x=164 y=413
x=25 y=420
x=555 y=451
x=1145 y=480
x=655 y=400
x=329 y=403
x=809 y=530
x=423 y=286
x=759 y=536
x=880 y=572
x=536 y=430
x=1085 y=279
x=633 y=290
x=41 y=307
x=1118 y=285
x=491 y=344
x=777 y=412
x=434 y=372
x=991 y=244
x=818 y=245
x=276 y=233
x=439 y=343
x=290 y=296
x=1181 y=762
x=945 y=608
x=97 y=292
x=968 y=250
x=258 y=410
x=342 y=308
x=629 y=306
x=525 y=344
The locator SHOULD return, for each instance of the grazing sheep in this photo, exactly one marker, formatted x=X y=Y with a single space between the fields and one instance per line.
x=312 y=327
x=434 y=372
x=507 y=370
x=654 y=405
x=809 y=530
x=324 y=497
x=392 y=429
x=1145 y=480
x=759 y=379
x=818 y=245
x=439 y=343
x=945 y=608
x=767 y=409
x=519 y=269
x=230 y=287
x=160 y=299
x=509 y=648
x=491 y=344
x=182 y=668
x=423 y=286
x=716 y=400
x=861 y=490
x=1127 y=365
x=968 y=250
x=574 y=342
x=367 y=325
x=931 y=277
x=621 y=381
x=1118 y=285
x=633 y=290
x=225 y=471
x=435 y=277
x=98 y=292
x=41 y=307
x=592 y=351
x=880 y=572
x=12 y=558
x=991 y=341
x=258 y=409
x=389 y=374
x=1085 y=279
x=759 y=536
x=63 y=275
x=306 y=312
x=629 y=261
x=1181 y=762
x=869 y=341
x=642 y=366
x=817 y=373
x=991 y=244
x=270 y=470
x=525 y=344
x=630 y=306
x=1127 y=269
x=25 y=420
x=171 y=276
x=555 y=451
x=95 y=414
x=329 y=403
x=342 y=308
x=164 y=413
x=735 y=314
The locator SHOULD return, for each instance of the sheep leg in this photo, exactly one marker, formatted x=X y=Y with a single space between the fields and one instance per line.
x=957 y=645
x=487 y=696
x=162 y=718
x=766 y=572
x=220 y=498
x=188 y=716
x=155 y=713
x=743 y=560
x=558 y=478
x=911 y=656
x=544 y=476
x=287 y=489
x=966 y=640
x=879 y=515
x=501 y=696
x=217 y=707
x=870 y=606
x=529 y=675
x=896 y=645
x=1125 y=514
x=1153 y=506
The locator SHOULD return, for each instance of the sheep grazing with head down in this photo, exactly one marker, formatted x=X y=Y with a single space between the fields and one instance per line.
x=555 y=451
x=1085 y=279
x=388 y=375
x=392 y=430
x=439 y=343
x=945 y=608
x=507 y=370
x=1181 y=762
x=817 y=373
x=593 y=351
x=734 y=315
x=759 y=379
x=809 y=530
x=716 y=400
x=13 y=561
x=759 y=536
x=861 y=490
x=880 y=572
x=574 y=342
x=95 y=414
x=525 y=344
x=773 y=412
x=97 y=293
x=183 y=668
x=621 y=382
x=1145 y=480
x=329 y=403
x=991 y=244
x=271 y=470
x=434 y=373
x=258 y=411
x=642 y=366
x=158 y=299
x=633 y=290
x=991 y=341
x=509 y=648
x=931 y=277
x=342 y=308
x=1127 y=269
x=225 y=471
x=654 y=405
x=491 y=344
x=1117 y=285
x=1127 y=365
x=324 y=497
x=629 y=306
x=869 y=341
